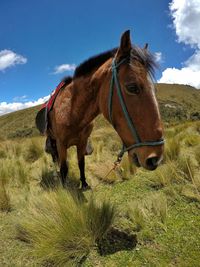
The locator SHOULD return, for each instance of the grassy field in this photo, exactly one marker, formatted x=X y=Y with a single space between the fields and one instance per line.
x=132 y=217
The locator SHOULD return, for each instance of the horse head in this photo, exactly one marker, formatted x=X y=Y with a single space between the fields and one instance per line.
x=128 y=101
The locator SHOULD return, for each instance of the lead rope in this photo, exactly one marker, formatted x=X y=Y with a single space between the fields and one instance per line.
x=116 y=163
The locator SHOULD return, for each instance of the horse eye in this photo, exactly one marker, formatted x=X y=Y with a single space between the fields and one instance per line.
x=132 y=88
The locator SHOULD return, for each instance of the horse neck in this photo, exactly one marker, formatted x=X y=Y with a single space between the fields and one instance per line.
x=84 y=102
x=90 y=97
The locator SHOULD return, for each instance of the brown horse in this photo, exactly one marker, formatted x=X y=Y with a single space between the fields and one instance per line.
x=118 y=84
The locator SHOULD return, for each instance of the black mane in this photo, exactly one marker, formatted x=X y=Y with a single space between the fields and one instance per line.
x=145 y=58
x=67 y=80
x=93 y=63
x=137 y=54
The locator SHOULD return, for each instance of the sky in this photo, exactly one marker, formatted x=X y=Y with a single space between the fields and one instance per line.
x=42 y=41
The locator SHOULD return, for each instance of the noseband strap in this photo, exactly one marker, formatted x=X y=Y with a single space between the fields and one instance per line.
x=115 y=84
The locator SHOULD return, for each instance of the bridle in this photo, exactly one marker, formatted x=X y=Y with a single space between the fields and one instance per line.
x=115 y=84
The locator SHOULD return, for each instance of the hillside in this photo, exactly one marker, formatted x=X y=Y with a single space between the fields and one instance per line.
x=177 y=103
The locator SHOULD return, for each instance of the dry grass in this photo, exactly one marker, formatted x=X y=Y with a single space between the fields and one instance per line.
x=148 y=211
x=62 y=230
x=34 y=151
x=5 y=204
x=166 y=175
x=172 y=149
x=192 y=140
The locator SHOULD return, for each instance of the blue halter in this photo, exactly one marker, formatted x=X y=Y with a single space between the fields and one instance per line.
x=138 y=142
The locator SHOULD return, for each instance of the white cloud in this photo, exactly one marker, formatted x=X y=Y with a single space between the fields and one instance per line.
x=64 y=67
x=9 y=58
x=10 y=107
x=20 y=98
x=158 y=57
x=186 y=22
x=181 y=76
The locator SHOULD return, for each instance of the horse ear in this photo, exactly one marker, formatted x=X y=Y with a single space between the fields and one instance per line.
x=146 y=46
x=125 y=44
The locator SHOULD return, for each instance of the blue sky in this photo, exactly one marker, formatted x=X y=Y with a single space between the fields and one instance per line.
x=42 y=41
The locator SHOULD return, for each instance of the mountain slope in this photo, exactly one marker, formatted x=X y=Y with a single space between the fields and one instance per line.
x=177 y=103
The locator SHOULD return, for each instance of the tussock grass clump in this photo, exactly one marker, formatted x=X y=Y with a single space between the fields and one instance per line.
x=127 y=169
x=172 y=149
x=2 y=154
x=49 y=178
x=4 y=198
x=62 y=230
x=191 y=193
x=170 y=132
x=187 y=167
x=22 y=173
x=98 y=218
x=197 y=154
x=4 y=172
x=34 y=151
x=192 y=140
x=148 y=212
x=105 y=172
x=165 y=175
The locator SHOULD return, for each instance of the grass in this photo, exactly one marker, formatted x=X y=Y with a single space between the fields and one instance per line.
x=62 y=230
x=5 y=204
x=192 y=140
x=172 y=149
x=34 y=151
x=156 y=221
x=148 y=212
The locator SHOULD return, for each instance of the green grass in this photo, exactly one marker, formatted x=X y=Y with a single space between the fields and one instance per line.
x=155 y=222
x=62 y=229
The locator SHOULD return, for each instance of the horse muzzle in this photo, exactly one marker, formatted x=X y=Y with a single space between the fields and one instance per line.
x=149 y=161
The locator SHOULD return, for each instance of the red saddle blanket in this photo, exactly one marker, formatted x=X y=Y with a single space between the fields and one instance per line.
x=41 y=119
x=49 y=103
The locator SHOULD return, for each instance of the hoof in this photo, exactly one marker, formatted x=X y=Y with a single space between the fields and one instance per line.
x=85 y=187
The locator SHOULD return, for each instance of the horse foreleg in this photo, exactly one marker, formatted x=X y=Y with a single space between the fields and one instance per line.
x=62 y=155
x=81 y=164
x=84 y=148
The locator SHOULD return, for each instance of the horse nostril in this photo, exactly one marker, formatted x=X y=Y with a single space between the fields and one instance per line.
x=152 y=163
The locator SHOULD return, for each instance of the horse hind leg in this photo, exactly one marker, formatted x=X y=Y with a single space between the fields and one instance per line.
x=81 y=164
x=84 y=148
x=62 y=156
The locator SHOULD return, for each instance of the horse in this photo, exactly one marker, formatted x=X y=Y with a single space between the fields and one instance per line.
x=118 y=84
